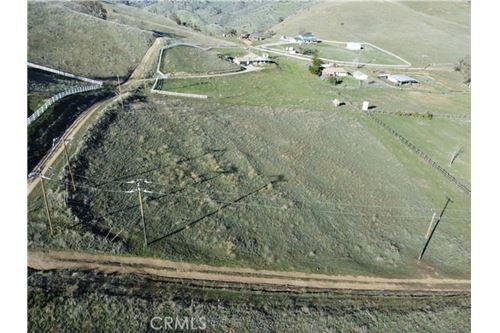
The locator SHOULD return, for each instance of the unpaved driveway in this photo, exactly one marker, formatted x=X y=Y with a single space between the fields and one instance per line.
x=166 y=268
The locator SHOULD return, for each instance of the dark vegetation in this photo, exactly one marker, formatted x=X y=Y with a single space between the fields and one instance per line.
x=218 y=17
x=423 y=115
x=88 y=301
x=55 y=120
x=464 y=66
x=43 y=85
x=94 y=8
x=315 y=68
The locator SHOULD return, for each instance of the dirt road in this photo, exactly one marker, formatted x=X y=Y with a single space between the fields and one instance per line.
x=135 y=78
x=172 y=269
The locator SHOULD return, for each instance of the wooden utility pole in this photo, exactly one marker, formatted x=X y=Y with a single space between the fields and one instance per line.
x=427 y=241
x=430 y=225
x=120 y=91
x=69 y=165
x=47 y=209
x=142 y=214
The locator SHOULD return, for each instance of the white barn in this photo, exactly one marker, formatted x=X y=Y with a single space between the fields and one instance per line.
x=354 y=46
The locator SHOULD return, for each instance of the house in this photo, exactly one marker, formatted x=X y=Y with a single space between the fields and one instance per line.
x=359 y=76
x=334 y=71
x=291 y=50
x=354 y=46
x=252 y=59
x=400 y=80
x=306 y=38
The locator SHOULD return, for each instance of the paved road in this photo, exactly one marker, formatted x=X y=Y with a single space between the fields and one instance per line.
x=180 y=270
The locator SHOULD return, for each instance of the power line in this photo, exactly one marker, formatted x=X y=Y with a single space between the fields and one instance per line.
x=326 y=203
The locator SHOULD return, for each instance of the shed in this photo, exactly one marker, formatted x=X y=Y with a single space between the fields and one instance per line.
x=334 y=71
x=401 y=79
x=354 y=46
x=306 y=38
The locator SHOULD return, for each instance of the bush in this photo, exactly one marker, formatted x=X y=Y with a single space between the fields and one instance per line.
x=315 y=68
x=464 y=66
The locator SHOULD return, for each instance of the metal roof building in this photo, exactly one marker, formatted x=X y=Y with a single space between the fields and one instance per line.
x=401 y=79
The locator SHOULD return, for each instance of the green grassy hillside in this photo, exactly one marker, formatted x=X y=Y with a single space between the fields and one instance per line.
x=220 y=16
x=192 y=60
x=412 y=31
x=82 y=44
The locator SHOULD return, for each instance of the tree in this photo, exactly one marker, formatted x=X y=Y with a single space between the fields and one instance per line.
x=315 y=68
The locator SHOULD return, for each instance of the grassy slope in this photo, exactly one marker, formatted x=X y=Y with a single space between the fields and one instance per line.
x=86 y=301
x=160 y=24
x=186 y=59
x=287 y=144
x=417 y=37
x=341 y=206
x=340 y=53
x=218 y=17
x=82 y=44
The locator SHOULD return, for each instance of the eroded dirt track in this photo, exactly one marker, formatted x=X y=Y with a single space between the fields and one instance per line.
x=166 y=268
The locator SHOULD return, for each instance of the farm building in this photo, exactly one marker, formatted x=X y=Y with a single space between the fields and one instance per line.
x=399 y=79
x=251 y=59
x=359 y=76
x=334 y=71
x=306 y=38
x=354 y=46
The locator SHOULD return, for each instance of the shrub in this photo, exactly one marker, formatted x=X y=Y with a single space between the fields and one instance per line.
x=315 y=68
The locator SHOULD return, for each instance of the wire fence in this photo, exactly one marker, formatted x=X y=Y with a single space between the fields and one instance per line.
x=58 y=72
x=55 y=98
x=421 y=154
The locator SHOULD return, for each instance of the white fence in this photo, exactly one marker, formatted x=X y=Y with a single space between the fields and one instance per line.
x=173 y=93
x=55 y=98
x=47 y=69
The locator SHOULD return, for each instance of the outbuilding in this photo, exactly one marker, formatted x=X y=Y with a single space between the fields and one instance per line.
x=334 y=71
x=354 y=46
x=400 y=79
x=306 y=38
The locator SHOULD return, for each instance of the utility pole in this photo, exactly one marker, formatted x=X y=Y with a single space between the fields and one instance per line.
x=427 y=241
x=142 y=214
x=47 y=209
x=430 y=225
x=139 y=190
x=120 y=91
x=69 y=165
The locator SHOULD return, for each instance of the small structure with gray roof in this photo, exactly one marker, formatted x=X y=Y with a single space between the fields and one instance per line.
x=399 y=79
